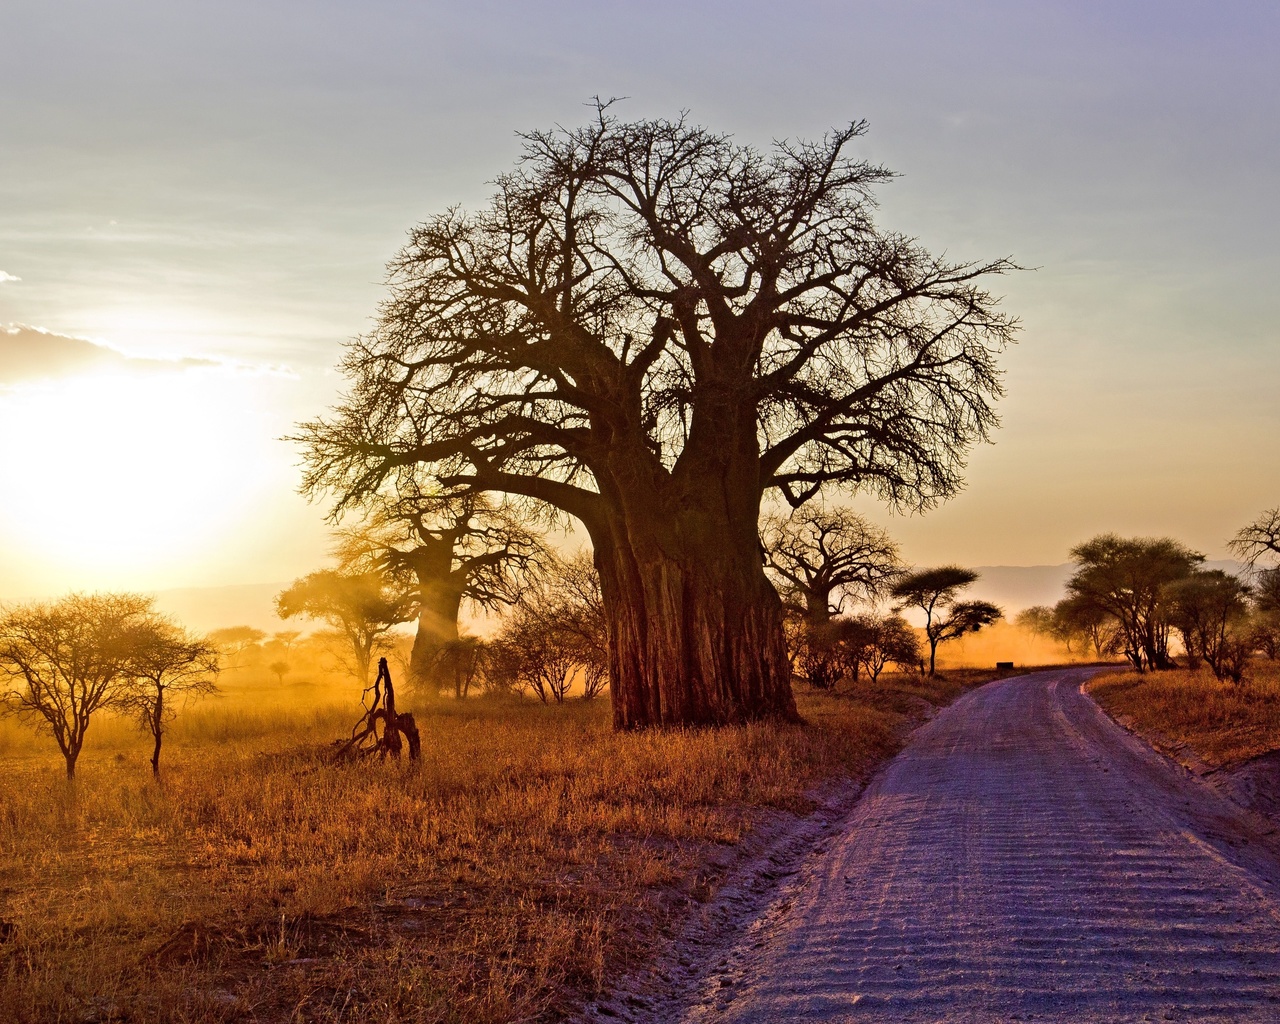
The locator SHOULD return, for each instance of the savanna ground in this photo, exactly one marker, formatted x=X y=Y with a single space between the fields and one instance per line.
x=531 y=856
x=1221 y=724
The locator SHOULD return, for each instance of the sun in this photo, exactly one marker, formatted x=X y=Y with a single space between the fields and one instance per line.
x=124 y=475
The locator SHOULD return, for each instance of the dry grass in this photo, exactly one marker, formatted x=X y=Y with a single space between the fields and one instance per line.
x=1221 y=723
x=532 y=855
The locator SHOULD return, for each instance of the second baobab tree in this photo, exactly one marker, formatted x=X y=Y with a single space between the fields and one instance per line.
x=450 y=548
x=821 y=559
x=649 y=328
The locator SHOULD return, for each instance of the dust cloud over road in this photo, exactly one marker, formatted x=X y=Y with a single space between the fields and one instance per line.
x=1023 y=859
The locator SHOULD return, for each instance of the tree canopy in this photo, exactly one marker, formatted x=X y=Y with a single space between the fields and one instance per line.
x=824 y=557
x=936 y=593
x=648 y=328
x=1126 y=579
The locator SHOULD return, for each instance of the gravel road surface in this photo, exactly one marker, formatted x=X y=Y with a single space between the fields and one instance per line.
x=1023 y=859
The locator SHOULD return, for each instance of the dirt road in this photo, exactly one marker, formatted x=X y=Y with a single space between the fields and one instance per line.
x=1023 y=859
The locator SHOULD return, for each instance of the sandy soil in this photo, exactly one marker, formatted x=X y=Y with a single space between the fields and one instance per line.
x=1023 y=859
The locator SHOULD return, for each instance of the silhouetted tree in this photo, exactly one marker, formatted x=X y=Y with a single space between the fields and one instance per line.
x=362 y=607
x=649 y=328
x=1260 y=539
x=884 y=640
x=69 y=659
x=459 y=663
x=823 y=557
x=557 y=632
x=820 y=559
x=1127 y=580
x=451 y=547
x=935 y=592
x=166 y=666
x=278 y=669
x=1209 y=608
x=1080 y=618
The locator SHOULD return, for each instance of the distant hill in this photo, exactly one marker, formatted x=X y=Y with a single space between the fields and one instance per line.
x=1015 y=587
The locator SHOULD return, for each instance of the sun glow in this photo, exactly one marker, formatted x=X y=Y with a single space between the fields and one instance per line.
x=123 y=476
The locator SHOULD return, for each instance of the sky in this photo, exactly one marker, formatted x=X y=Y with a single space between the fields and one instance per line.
x=197 y=201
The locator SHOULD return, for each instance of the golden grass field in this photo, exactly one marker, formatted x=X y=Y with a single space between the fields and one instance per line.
x=1221 y=723
x=531 y=855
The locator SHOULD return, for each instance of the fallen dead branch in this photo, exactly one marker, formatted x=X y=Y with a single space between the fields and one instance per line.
x=380 y=729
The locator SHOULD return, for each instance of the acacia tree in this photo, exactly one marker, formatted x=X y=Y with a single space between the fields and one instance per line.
x=455 y=546
x=936 y=593
x=1209 y=609
x=361 y=607
x=648 y=329
x=69 y=658
x=165 y=665
x=1126 y=580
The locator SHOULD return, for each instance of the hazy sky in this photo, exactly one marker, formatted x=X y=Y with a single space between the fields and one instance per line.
x=212 y=190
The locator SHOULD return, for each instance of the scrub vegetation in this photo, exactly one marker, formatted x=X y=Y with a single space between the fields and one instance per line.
x=532 y=854
x=1221 y=723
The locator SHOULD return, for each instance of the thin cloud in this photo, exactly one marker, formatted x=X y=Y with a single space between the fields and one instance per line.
x=32 y=353
x=8 y=277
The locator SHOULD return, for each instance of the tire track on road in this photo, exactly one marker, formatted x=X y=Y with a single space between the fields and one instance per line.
x=1023 y=859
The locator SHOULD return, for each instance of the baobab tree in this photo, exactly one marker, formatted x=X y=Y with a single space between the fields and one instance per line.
x=825 y=557
x=452 y=547
x=821 y=558
x=649 y=329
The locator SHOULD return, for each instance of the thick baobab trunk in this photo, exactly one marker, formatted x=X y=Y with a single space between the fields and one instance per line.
x=437 y=629
x=695 y=627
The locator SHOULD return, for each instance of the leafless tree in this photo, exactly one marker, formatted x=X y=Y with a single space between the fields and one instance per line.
x=649 y=328
x=823 y=558
x=1259 y=540
x=455 y=547
x=459 y=663
x=166 y=666
x=557 y=632
x=67 y=660
x=935 y=592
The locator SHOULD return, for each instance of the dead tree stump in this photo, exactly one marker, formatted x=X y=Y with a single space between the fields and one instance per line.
x=381 y=730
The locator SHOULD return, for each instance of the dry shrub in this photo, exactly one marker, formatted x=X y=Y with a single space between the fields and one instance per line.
x=1222 y=723
x=531 y=855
